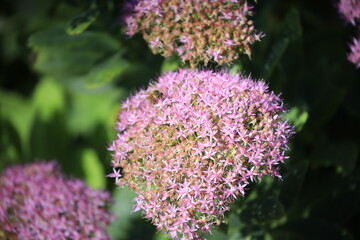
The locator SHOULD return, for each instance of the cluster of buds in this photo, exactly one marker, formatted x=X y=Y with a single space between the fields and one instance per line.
x=195 y=30
x=350 y=10
x=191 y=143
x=38 y=202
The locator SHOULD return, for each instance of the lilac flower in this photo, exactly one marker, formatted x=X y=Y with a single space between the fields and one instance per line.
x=354 y=55
x=38 y=202
x=198 y=31
x=226 y=131
x=350 y=10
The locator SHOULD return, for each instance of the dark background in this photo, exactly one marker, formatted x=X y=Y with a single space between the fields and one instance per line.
x=60 y=94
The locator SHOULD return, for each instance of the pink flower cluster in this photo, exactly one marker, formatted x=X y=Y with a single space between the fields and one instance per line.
x=37 y=202
x=350 y=10
x=198 y=31
x=354 y=55
x=191 y=143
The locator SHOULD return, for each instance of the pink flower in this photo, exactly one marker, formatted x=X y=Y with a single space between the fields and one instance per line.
x=115 y=174
x=225 y=131
x=191 y=28
x=350 y=10
x=38 y=202
x=354 y=55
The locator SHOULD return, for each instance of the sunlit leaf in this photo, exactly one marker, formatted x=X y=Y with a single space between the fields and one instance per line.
x=93 y=107
x=236 y=68
x=48 y=98
x=170 y=64
x=298 y=117
x=93 y=169
x=19 y=112
x=161 y=236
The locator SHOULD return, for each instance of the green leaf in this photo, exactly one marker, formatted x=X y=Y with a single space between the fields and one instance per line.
x=161 y=236
x=342 y=154
x=236 y=68
x=341 y=194
x=310 y=229
x=105 y=71
x=57 y=38
x=291 y=27
x=63 y=64
x=10 y=144
x=298 y=116
x=81 y=22
x=327 y=104
x=93 y=107
x=65 y=57
x=170 y=64
x=274 y=57
x=216 y=234
x=262 y=211
x=48 y=98
x=93 y=169
x=20 y=113
x=234 y=227
x=293 y=181
x=123 y=201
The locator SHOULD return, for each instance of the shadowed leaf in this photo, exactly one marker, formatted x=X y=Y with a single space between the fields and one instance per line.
x=342 y=154
x=274 y=57
x=105 y=71
x=81 y=22
x=262 y=211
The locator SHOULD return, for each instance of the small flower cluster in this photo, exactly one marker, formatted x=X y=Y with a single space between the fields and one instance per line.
x=191 y=143
x=37 y=202
x=354 y=55
x=195 y=30
x=350 y=10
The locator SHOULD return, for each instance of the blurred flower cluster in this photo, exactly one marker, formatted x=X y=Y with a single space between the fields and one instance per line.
x=198 y=31
x=38 y=202
x=350 y=10
x=190 y=144
x=354 y=55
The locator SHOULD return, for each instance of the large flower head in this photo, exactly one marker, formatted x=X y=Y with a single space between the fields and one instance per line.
x=354 y=55
x=38 y=202
x=191 y=142
x=196 y=30
x=350 y=10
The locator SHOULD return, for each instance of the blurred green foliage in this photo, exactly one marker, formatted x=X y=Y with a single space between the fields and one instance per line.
x=65 y=66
